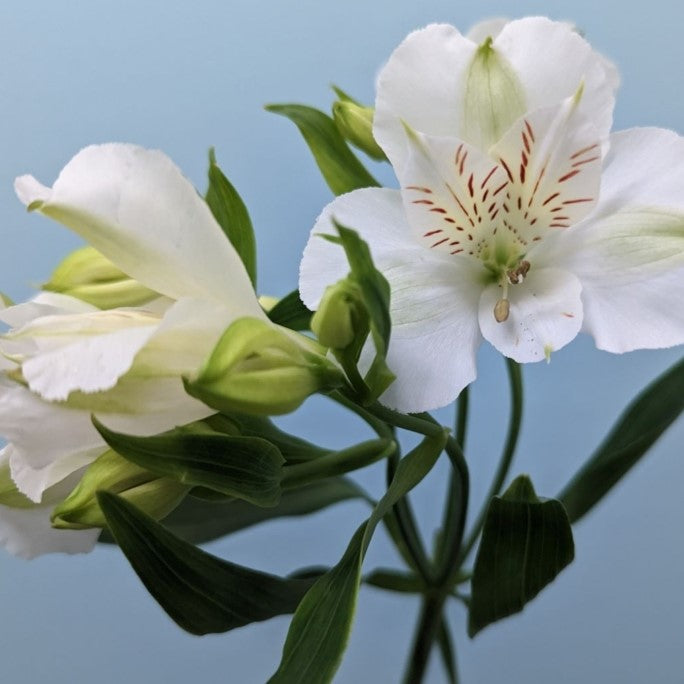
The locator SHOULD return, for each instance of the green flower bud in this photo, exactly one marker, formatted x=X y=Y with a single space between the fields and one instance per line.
x=494 y=97
x=157 y=496
x=341 y=318
x=355 y=123
x=260 y=368
x=88 y=275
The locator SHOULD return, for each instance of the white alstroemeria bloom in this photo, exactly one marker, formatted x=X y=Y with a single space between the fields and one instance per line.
x=523 y=238
x=68 y=359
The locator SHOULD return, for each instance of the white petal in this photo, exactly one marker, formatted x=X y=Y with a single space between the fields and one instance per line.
x=27 y=533
x=545 y=314
x=489 y=28
x=552 y=60
x=86 y=353
x=422 y=84
x=136 y=207
x=553 y=160
x=433 y=300
x=43 y=304
x=377 y=214
x=629 y=255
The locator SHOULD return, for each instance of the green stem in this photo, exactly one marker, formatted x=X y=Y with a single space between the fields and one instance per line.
x=426 y=632
x=338 y=462
x=515 y=380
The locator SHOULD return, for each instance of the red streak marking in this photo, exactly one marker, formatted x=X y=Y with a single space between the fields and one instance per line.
x=585 y=161
x=448 y=219
x=533 y=221
x=457 y=251
x=526 y=142
x=559 y=225
x=536 y=239
x=506 y=209
x=438 y=210
x=458 y=154
x=432 y=232
x=440 y=242
x=508 y=171
x=529 y=130
x=475 y=209
x=470 y=221
x=568 y=176
x=493 y=216
x=455 y=196
x=499 y=189
x=470 y=237
x=463 y=158
x=422 y=202
x=519 y=203
x=487 y=177
x=419 y=189
x=556 y=209
x=549 y=198
x=491 y=206
x=484 y=196
x=454 y=242
x=523 y=156
x=568 y=315
x=527 y=213
x=470 y=185
x=577 y=201
x=583 y=150
x=536 y=185
x=459 y=227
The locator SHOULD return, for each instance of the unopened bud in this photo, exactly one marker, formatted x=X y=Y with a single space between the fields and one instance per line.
x=355 y=123
x=157 y=496
x=260 y=368
x=341 y=317
x=88 y=275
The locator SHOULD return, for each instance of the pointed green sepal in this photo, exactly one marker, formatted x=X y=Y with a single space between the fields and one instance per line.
x=526 y=541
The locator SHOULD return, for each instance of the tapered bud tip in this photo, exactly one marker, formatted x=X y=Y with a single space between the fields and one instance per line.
x=355 y=123
x=341 y=317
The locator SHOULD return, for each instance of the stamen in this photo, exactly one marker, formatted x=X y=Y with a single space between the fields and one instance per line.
x=501 y=310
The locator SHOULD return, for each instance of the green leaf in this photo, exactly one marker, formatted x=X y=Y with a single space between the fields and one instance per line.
x=526 y=542
x=321 y=625
x=392 y=580
x=248 y=468
x=635 y=432
x=375 y=291
x=342 y=171
x=290 y=312
x=231 y=214
x=203 y=594
x=199 y=520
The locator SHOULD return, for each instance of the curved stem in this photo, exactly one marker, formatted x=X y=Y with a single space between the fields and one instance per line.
x=515 y=380
x=426 y=632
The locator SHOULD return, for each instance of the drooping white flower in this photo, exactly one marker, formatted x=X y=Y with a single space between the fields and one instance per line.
x=66 y=359
x=513 y=222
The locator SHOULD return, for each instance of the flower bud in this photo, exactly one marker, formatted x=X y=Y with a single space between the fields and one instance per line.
x=88 y=275
x=341 y=317
x=355 y=123
x=157 y=496
x=260 y=368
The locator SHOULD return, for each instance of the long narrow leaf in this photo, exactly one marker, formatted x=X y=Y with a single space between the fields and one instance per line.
x=342 y=171
x=203 y=594
x=248 y=468
x=321 y=625
x=635 y=432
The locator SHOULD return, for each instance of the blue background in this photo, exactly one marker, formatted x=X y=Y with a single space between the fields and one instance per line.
x=184 y=76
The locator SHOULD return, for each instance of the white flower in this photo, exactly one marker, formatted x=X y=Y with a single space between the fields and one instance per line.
x=68 y=359
x=513 y=222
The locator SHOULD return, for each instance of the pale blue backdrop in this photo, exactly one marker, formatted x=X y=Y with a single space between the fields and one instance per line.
x=183 y=76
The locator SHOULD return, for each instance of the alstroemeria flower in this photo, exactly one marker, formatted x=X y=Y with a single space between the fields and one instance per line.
x=523 y=234
x=66 y=359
